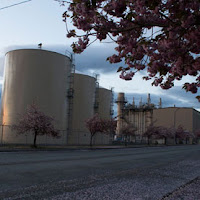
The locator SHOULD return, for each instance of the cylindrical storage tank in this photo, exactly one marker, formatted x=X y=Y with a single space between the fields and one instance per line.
x=82 y=109
x=34 y=75
x=104 y=101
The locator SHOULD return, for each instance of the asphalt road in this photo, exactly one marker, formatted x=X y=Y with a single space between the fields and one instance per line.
x=149 y=173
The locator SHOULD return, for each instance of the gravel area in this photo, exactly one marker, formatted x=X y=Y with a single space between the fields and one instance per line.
x=155 y=184
x=189 y=191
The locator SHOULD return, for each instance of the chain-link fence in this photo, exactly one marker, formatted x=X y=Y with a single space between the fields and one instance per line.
x=9 y=136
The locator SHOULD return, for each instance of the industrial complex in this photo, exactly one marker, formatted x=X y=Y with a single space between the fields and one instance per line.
x=49 y=79
x=143 y=115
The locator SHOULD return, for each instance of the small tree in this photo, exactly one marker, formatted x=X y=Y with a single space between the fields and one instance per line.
x=151 y=130
x=164 y=133
x=188 y=135
x=109 y=126
x=37 y=122
x=97 y=125
x=197 y=135
x=128 y=130
x=180 y=134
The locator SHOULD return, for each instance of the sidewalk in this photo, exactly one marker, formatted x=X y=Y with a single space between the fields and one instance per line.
x=9 y=148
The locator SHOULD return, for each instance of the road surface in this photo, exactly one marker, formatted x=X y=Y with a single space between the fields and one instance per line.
x=132 y=173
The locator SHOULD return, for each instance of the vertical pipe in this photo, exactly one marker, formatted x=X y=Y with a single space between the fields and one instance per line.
x=120 y=106
x=133 y=103
x=149 y=100
x=160 y=103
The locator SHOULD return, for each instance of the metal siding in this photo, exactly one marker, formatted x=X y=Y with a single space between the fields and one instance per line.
x=173 y=117
x=196 y=120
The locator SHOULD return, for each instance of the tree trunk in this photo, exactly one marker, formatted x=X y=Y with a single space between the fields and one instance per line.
x=125 y=142
x=165 y=141
x=91 y=136
x=175 y=140
x=35 y=137
x=135 y=139
x=148 y=138
x=141 y=140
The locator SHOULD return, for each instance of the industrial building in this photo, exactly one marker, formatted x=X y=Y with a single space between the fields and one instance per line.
x=187 y=117
x=143 y=115
x=49 y=79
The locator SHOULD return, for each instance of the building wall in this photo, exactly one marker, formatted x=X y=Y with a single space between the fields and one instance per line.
x=139 y=118
x=196 y=120
x=173 y=117
x=34 y=75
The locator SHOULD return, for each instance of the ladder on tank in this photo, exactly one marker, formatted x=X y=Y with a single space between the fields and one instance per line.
x=96 y=99
x=112 y=103
x=70 y=92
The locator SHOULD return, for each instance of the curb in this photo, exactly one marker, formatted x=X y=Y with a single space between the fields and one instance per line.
x=78 y=148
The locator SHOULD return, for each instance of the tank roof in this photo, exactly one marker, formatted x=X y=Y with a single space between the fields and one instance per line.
x=102 y=88
x=79 y=74
x=44 y=50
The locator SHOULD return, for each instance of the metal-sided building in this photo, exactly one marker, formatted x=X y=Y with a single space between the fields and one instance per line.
x=143 y=115
x=130 y=114
x=188 y=118
x=48 y=79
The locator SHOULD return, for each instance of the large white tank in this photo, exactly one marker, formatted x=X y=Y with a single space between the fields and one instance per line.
x=40 y=76
x=104 y=102
x=82 y=109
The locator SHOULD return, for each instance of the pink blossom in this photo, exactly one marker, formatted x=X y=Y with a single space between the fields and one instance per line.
x=37 y=122
x=97 y=125
x=127 y=76
x=173 y=51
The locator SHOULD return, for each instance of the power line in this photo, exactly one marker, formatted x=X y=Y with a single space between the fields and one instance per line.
x=14 y=4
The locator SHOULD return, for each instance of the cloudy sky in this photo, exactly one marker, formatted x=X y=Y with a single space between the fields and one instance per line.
x=29 y=23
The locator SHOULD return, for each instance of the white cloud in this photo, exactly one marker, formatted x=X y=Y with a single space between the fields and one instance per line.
x=1 y=80
x=137 y=85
